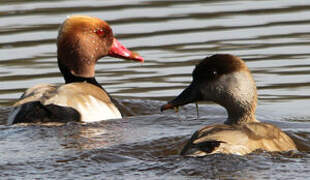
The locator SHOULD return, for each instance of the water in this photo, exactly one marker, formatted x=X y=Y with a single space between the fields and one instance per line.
x=271 y=36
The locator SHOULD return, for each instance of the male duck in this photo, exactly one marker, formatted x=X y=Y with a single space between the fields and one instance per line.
x=82 y=40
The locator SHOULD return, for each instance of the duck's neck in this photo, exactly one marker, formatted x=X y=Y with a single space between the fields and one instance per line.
x=237 y=119
x=71 y=78
x=241 y=114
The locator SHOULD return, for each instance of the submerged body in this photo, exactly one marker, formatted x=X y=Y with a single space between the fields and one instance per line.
x=81 y=42
x=226 y=80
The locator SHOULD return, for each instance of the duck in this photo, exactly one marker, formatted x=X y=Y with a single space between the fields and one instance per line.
x=82 y=40
x=226 y=80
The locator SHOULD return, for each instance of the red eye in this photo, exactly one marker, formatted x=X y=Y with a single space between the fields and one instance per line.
x=100 y=32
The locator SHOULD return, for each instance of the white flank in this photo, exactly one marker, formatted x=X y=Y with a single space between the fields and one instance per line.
x=95 y=110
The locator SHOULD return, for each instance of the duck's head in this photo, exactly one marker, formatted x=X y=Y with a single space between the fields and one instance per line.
x=225 y=80
x=82 y=40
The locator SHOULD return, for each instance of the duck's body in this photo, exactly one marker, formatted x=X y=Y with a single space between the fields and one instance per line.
x=82 y=40
x=237 y=139
x=70 y=102
x=226 y=80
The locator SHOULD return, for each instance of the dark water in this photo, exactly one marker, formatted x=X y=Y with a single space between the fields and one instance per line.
x=271 y=36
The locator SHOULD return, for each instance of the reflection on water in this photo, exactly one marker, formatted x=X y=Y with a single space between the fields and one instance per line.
x=173 y=36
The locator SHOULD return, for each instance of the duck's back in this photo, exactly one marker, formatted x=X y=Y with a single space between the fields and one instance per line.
x=70 y=102
x=237 y=139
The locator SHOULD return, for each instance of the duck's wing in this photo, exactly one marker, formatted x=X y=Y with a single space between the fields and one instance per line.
x=90 y=101
x=38 y=92
x=267 y=137
x=32 y=107
x=217 y=138
x=238 y=139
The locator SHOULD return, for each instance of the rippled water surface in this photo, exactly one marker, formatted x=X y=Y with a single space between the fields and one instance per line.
x=271 y=36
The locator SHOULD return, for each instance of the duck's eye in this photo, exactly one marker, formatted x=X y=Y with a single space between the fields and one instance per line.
x=100 y=32
x=214 y=73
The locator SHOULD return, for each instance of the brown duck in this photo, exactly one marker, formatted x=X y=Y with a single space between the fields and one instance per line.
x=226 y=80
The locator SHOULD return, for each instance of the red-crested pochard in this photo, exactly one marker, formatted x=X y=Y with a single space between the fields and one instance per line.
x=226 y=80
x=81 y=41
